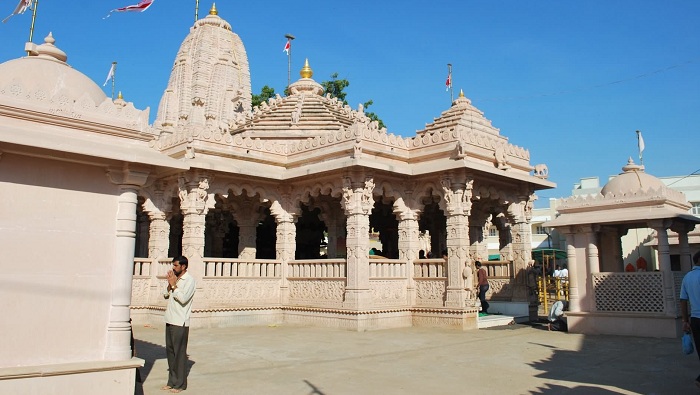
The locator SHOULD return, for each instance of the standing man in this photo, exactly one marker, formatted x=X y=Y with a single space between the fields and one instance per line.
x=180 y=292
x=483 y=284
x=690 y=291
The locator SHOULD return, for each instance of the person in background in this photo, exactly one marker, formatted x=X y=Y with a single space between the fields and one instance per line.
x=690 y=292
x=556 y=316
x=564 y=273
x=483 y=284
x=557 y=271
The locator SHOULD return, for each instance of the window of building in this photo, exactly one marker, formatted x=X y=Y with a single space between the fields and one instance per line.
x=695 y=210
x=493 y=231
x=540 y=230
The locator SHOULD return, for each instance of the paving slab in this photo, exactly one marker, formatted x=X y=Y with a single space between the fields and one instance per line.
x=512 y=359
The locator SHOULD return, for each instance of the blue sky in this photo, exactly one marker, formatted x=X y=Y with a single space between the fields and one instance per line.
x=570 y=81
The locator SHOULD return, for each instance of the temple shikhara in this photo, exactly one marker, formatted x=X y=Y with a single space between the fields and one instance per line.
x=274 y=206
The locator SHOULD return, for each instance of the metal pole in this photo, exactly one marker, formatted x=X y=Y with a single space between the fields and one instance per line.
x=289 y=59
x=196 y=11
x=641 y=148
x=114 y=73
x=31 y=29
x=449 y=76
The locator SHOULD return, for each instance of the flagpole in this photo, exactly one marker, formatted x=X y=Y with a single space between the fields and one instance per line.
x=289 y=59
x=114 y=73
x=196 y=11
x=449 y=73
x=640 y=145
x=31 y=29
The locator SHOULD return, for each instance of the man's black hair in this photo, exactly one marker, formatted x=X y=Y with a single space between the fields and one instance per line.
x=182 y=260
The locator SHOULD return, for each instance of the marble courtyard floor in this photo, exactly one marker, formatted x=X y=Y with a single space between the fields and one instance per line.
x=514 y=359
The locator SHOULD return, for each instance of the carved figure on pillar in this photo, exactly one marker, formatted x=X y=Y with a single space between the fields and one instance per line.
x=193 y=199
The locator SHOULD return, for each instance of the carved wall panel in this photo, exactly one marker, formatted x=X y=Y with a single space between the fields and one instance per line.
x=430 y=292
x=389 y=292
x=499 y=289
x=140 y=289
x=326 y=293
x=237 y=292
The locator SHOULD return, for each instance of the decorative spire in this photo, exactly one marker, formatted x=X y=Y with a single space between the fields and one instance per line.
x=213 y=10
x=306 y=71
x=120 y=102
x=461 y=93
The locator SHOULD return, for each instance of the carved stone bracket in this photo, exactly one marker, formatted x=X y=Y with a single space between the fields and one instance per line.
x=193 y=194
x=458 y=195
x=358 y=196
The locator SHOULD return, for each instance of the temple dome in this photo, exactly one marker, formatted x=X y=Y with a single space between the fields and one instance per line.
x=44 y=72
x=210 y=80
x=633 y=179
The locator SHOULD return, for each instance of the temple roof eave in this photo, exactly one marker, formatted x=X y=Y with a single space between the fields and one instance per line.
x=619 y=217
x=445 y=164
x=76 y=142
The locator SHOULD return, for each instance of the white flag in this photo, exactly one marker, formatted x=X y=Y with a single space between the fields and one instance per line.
x=110 y=75
x=640 y=142
x=20 y=9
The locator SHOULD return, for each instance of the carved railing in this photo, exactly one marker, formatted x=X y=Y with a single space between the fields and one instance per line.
x=235 y=267
x=638 y=292
x=387 y=268
x=142 y=267
x=317 y=268
x=498 y=269
x=430 y=278
x=429 y=268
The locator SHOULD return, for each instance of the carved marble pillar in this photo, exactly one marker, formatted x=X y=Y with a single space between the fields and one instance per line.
x=661 y=226
x=574 y=296
x=522 y=244
x=592 y=261
x=118 y=342
x=592 y=248
x=159 y=228
x=409 y=243
x=193 y=203
x=458 y=204
x=159 y=235
x=357 y=202
x=285 y=212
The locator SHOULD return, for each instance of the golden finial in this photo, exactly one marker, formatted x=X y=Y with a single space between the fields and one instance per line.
x=119 y=96
x=213 y=10
x=306 y=71
x=461 y=93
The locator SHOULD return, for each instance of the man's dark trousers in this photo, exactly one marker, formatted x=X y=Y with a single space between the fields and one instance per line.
x=482 y=297
x=176 y=348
